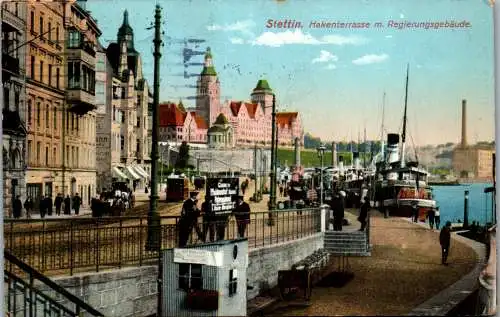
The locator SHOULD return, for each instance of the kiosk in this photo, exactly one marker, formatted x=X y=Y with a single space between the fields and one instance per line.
x=206 y=280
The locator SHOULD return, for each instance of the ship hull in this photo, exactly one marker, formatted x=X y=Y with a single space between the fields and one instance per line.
x=403 y=207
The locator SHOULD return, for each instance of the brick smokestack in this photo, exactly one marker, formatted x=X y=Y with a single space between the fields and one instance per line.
x=464 y=123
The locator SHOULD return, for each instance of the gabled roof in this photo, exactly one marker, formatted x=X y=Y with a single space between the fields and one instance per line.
x=252 y=109
x=200 y=122
x=286 y=118
x=171 y=115
x=235 y=107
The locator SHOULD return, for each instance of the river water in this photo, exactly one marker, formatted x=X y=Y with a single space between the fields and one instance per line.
x=450 y=199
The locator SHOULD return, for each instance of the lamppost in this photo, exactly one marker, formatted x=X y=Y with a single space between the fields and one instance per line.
x=321 y=153
x=166 y=148
x=272 y=196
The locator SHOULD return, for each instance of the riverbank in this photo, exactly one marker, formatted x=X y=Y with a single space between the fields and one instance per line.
x=404 y=271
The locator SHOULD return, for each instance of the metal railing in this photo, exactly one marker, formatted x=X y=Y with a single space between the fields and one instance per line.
x=25 y=299
x=68 y=246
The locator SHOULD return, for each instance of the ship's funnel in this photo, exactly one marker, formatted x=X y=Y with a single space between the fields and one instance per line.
x=392 y=152
x=355 y=160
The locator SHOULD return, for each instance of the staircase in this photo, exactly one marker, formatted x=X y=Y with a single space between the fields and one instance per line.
x=24 y=298
x=347 y=243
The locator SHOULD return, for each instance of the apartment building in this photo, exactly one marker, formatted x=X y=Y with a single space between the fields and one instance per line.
x=60 y=93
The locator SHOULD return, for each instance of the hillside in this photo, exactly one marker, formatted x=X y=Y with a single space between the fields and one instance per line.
x=309 y=158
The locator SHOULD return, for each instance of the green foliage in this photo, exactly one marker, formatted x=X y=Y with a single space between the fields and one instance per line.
x=310 y=158
x=183 y=157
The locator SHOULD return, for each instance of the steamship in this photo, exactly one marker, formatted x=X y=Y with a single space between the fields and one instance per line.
x=399 y=185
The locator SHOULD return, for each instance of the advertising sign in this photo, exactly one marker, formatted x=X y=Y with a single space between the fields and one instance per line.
x=223 y=193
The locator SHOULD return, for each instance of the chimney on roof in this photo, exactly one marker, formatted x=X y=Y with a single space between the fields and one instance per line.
x=464 y=123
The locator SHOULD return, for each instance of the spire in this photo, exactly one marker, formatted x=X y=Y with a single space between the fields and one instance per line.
x=125 y=18
x=125 y=32
x=180 y=106
x=208 y=69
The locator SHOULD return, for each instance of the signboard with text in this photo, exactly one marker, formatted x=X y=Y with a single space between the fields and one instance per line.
x=223 y=193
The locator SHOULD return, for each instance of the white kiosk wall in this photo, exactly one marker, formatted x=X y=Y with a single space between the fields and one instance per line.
x=206 y=280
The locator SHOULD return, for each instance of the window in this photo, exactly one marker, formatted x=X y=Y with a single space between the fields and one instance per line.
x=72 y=122
x=29 y=151
x=138 y=146
x=32 y=21
x=67 y=121
x=41 y=71
x=6 y=95
x=38 y=109
x=77 y=123
x=74 y=39
x=47 y=115
x=50 y=31
x=29 y=112
x=57 y=77
x=38 y=146
x=16 y=9
x=122 y=142
x=233 y=282
x=57 y=33
x=67 y=154
x=122 y=114
x=138 y=122
x=190 y=276
x=32 y=67
x=55 y=118
x=41 y=28
x=74 y=75
x=16 y=99
x=50 y=75
x=54 y=156
x=46 y=156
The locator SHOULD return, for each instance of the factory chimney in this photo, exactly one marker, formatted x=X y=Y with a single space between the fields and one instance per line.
x=464 y=123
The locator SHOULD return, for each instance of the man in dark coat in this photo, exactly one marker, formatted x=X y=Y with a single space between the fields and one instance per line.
x=431 y=213
x=28 y=205
x=58 y=204
x=77 y=202
x=363 y=213
x=43 y=207
x=414 y=210
x=17 y=207
x=242 y=215
x=208 y=220
x=67 y=205
x=189 y=219
x=444 y=240
x=338 y=211
x=48 y=205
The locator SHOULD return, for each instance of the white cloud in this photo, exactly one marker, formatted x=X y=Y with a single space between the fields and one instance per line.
x=238 y=26
x=236 y=40
x=401 y=16
x=331 y=66
x=370 y=59
x=388 y=36
x=298 y=37
x=325 y=56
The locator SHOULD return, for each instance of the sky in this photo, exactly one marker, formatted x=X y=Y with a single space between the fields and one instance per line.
x=335 y=77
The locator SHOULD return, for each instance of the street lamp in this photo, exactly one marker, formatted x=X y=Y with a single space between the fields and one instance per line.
x=166 y=148
x=321 y=153
x=272 y=196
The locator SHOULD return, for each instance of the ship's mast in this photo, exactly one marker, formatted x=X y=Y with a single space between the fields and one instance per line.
x=403 y=135
x=382 y=143
x=364 y=148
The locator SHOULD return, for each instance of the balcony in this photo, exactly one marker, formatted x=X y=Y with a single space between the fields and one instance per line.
x=11 y=22
x=10 y=65
x=80 y=101
x=84 y=52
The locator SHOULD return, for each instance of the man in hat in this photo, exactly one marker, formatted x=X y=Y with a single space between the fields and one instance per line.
x=189 y=219
x=363 y=213
x=414 y=210
x=242 y=215
x=208 y=219
x=338 y=211
x=444 y=240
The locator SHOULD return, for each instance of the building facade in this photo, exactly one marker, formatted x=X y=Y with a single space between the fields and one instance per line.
x=14 y=102
x=60 y=90
x=474 y=162
x=250 y=121
x=124 y=127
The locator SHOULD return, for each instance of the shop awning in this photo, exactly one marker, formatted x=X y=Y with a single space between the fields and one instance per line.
x=129 y=170
x=141 y=171
x=116 y=173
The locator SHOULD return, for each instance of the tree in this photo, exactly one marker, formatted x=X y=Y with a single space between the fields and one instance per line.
x=183 y=157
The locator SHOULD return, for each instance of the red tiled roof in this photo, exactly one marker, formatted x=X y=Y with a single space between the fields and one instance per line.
x=252 y=109
x=171 y=115
x=200 y=122
x=285 y=118
x=235 y=107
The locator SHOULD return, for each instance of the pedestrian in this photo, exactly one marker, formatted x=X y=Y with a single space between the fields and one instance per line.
x=77 y=202
x=444 y=240
x=437 y=218
x=28 y=205
x=363 y=213
x=208 y=219
x=189 y=216
x=58 y=204
x=431 y=214
x=242 y=215
x=48 y=205
x=414 y=211
x=132 y=200
x=17 y=207
x=338 y=211
x=67 y=205
x=43 y=208
x=281 y=190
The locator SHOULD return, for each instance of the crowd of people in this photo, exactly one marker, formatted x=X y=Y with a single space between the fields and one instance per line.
x=113 y=202
x=213 y=224
x=47 y=206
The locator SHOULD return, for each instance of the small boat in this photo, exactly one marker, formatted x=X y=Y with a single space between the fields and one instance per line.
x=400 y=185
